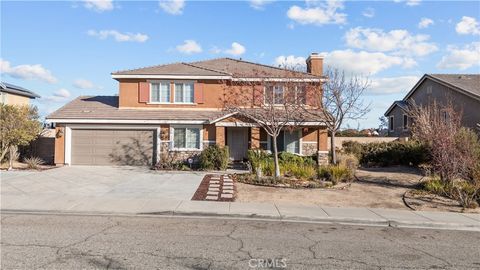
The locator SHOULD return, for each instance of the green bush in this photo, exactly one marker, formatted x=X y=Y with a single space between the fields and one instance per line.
x=409 y=153
x=336 y=173
x=214 y=157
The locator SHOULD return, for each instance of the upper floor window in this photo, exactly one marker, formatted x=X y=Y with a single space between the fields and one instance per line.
x=300 y=94
x=160 y=92
x=184 y=92
x=274 y=95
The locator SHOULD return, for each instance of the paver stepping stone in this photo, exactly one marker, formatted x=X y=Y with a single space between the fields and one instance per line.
x=211 y=198
x=214 y=189
x=214 y=182
x=227 y=188
x=228 y=184
x=214 y=185
x=213 y=193
x=227 y=196
x=227 y=191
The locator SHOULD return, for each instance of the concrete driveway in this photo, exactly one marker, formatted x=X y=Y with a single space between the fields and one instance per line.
x=70 y=188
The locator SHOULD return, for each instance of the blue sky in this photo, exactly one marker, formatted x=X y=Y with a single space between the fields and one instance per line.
x=63 y=49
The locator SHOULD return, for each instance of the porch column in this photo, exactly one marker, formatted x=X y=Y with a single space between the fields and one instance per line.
x=322 y=140
x=255 y=138
x=322 y=146
x=220 y=136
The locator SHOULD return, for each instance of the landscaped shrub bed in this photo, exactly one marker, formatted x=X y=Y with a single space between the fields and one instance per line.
x=408 y=153
x=298 y=171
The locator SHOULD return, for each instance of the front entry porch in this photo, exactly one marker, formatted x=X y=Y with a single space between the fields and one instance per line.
x=238 y=142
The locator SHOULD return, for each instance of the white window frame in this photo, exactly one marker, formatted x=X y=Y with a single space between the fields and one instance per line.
x=305 y=94
x=405 y=125
x=391 y=123
x=265 y=88
x=172 y=136
x=160 y=92
x=300 y=141
x=174 y=92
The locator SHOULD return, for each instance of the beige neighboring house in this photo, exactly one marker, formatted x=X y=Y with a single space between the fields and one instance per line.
x=462 y=89
x=15 y=95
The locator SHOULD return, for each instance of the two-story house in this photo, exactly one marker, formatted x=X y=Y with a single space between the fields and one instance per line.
x=176 y=109
x=15 y=95
x=463 y=90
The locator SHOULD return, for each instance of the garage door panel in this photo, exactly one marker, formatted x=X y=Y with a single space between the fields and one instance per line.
x=112 y=147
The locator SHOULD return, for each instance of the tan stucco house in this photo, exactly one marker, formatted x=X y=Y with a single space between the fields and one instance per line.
x=461 y=89
x=176 y=110
x=15 y=95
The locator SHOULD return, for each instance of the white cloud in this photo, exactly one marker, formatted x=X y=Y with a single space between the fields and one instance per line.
x=85 y=84
x=99 y=5
x=58 y=96
x=290 y=61
x=236 y=49
x=468 y=25
x=174 y=7
x=409 y=2
x=461 y=58
x=318 y=13
x=118 y=36
x=392 y=85
x=369 y=12
x=398 y=41
x=259 y=4
x=363 y=62
x=27 y=72
x=413 y=2
x=425 y=23
x=189 y=47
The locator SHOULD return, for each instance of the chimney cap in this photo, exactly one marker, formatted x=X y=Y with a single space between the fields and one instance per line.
x=314 y=55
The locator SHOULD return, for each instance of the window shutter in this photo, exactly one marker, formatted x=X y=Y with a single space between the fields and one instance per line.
x=198 y=93
x=143 y=92
x=258 y=93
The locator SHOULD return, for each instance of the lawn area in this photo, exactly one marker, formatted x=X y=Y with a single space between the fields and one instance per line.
x=376 y=188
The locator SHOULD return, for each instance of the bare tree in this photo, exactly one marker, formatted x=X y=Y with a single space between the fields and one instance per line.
x=342 y=100
x=455 y=151
x=274 y=104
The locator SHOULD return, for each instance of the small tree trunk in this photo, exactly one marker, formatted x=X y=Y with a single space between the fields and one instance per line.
x=332 y=148
x=10 y=158
x=275 y=158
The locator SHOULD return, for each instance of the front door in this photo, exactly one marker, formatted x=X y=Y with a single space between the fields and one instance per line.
x=237 y=141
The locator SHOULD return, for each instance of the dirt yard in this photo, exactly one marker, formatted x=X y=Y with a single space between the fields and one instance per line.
x=376 y=188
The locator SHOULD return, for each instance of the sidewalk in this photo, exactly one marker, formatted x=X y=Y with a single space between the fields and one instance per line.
x=283 y=212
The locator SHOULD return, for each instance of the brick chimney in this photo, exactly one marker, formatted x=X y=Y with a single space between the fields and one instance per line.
x=315 y=64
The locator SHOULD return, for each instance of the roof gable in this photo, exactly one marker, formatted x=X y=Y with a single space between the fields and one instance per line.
x=468 y=84
x=17 y=90
x=222 y=67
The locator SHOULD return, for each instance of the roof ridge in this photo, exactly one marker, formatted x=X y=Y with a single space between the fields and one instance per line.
x=269 y=66
x=209 y=69
x=153 y=66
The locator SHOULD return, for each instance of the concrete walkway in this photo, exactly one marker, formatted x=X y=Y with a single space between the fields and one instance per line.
x=284 y=212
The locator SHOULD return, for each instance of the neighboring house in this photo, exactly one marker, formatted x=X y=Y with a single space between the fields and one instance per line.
x=174 y=111
x=463 y=90
x=15 y=95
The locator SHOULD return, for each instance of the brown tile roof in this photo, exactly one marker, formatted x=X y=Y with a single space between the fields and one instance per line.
x=217 y=67
x=467 y=82
x=106 y=107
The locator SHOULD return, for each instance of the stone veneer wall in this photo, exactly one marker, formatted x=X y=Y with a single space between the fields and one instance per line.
x=309 y=149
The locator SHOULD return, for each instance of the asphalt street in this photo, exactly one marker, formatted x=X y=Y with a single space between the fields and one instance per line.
x=36 y=241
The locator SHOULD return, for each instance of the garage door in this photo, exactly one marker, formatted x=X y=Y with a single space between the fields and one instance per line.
x=112 y=147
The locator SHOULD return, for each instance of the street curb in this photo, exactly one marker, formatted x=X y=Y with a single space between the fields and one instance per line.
x=328 y=220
